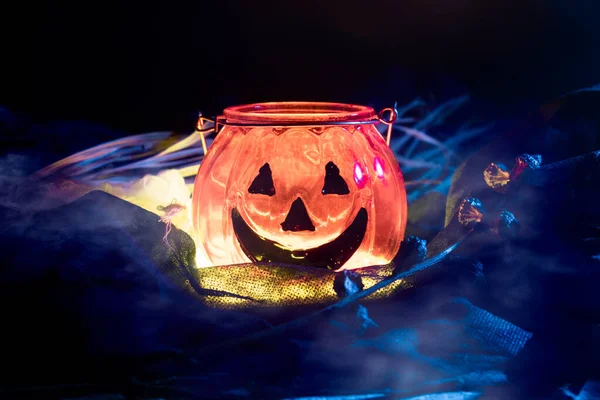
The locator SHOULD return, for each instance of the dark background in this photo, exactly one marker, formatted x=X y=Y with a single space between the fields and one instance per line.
x=137 y=66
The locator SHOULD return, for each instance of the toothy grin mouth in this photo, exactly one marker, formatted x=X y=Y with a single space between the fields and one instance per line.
x=330 y=255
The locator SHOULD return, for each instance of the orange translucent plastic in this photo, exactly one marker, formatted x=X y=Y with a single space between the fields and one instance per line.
x=298 y=149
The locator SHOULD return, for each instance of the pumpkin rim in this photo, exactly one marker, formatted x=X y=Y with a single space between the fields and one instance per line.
x=289 y=112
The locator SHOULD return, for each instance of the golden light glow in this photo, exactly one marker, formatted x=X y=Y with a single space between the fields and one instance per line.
x=250 y=285
x=154 y=191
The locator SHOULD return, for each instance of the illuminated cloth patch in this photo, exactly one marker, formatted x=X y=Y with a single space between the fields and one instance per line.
x=270 y=285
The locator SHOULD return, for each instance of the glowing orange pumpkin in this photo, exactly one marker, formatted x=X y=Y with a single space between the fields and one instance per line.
x=302 y=183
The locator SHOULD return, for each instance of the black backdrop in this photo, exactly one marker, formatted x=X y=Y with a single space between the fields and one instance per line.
x=136 y=66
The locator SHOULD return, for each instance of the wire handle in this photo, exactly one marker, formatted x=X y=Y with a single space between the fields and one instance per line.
x=202 y=120
x=389 y=121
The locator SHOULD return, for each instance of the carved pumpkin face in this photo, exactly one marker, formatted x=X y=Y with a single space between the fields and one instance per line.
x=325 y=196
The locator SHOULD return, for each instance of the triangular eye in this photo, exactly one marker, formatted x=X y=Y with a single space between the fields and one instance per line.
x=334 y=183
x=263 y=183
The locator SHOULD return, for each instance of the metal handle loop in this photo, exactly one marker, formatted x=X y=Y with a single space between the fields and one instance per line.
x=389 y=121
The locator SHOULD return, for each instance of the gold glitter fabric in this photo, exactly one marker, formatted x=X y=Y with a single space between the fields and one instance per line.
x=272 y=285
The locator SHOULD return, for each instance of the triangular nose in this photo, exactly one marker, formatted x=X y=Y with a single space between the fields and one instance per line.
x=297 y=219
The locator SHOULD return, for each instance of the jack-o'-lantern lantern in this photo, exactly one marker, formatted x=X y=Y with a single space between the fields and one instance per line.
x=299 y=183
